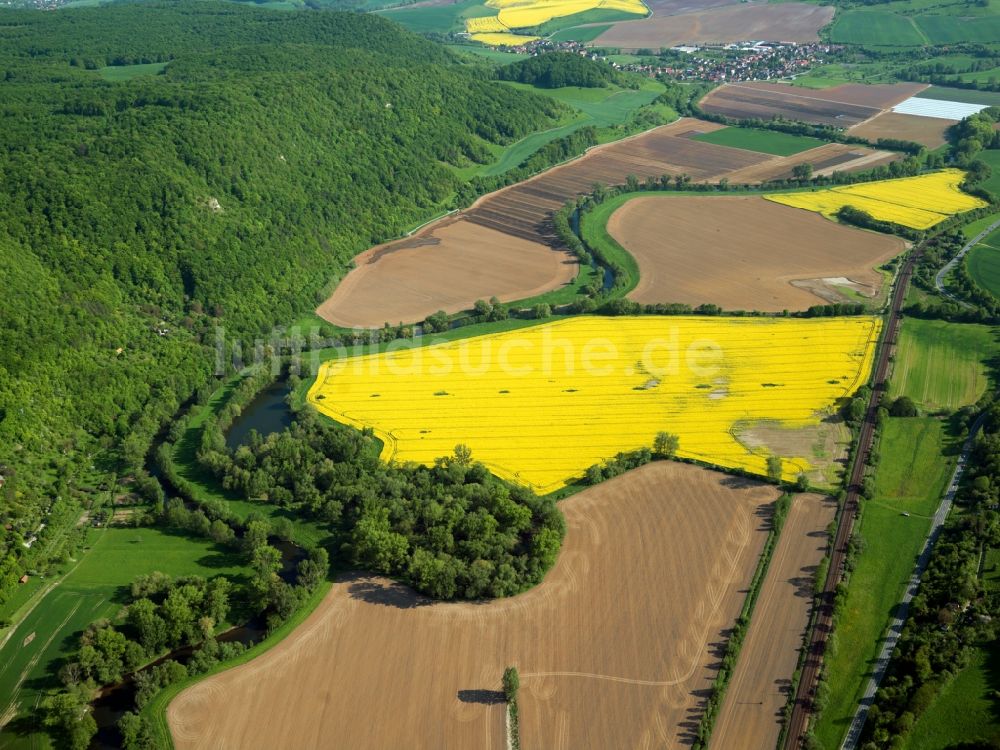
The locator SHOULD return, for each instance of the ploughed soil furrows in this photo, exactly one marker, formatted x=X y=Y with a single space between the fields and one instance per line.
x=753 y=707
x=616 y=648
x=840 y=106
x=930 y=131
x=784 y=22
x=739 y=253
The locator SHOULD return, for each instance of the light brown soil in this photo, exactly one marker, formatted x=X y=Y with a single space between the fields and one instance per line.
x=825 y=445
x=447 y=268
x=784 y=22
x=616 y=648
x=926 y=130
x=825 y=159
x=750 y=717
x=840 y=106
x=501 y=245
x=741 y=252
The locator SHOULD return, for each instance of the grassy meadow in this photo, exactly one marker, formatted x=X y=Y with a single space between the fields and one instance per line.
x=940 y=365
x=91 y=590
x=913 y=471
x=762 y=141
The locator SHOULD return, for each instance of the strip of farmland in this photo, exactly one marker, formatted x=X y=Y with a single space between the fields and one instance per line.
x=751 y=713
x=504 y=244
x=616 y=648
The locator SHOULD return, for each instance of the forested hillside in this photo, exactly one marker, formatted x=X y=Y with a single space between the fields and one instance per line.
x=137 y=216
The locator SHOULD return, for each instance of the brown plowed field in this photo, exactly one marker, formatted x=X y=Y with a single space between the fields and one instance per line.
x=753 y=707
x=784 y=22
x=498 y=246
x=447 y=269
x=929 y=131
x=740 y=253
x=825 y=159
x=616 y=648
x=840 y=106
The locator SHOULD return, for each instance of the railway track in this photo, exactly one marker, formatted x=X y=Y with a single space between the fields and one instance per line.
x=802 y=709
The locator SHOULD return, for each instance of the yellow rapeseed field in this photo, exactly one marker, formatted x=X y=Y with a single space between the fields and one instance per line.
x=540 y=405
x=486 y=25
x=918 y=202
x=521 y=14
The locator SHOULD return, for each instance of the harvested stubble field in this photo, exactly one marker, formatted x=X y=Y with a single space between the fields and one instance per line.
x=540 y=405
x=841 y=106
x=616 y=648
x=447 y=267
x=751 y=713
x=744 y=253
x=784 y=22
x=930 y=131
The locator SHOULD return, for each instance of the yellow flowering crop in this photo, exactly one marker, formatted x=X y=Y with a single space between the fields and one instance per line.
x=497 y=39
x=918 y=202
x=485 y=25
x=520 y=14
x=541 y=404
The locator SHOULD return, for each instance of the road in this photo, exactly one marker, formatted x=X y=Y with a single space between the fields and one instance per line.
x=946 y=269
x=896 y=626
x=802 y=709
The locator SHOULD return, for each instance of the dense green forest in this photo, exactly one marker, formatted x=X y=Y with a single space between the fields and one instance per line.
x=553 y=70
x=139 y=218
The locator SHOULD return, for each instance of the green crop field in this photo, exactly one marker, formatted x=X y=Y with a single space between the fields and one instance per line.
x=128 y=72
x=763 y=141
x=29 y=660
x=941 y=365
x=438 y=18
x=600 y=107
x=881 y=28
x=947 y=93
x=581 y=34
x=953 y=29
x=913 y=471
x=983 y=263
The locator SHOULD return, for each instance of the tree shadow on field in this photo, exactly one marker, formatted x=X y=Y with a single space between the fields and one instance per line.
x=484 y=697
x=739 y=483
x=804 y=583
x=386 y=593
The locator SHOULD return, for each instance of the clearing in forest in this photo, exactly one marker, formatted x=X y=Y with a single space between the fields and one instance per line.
x=540 y=405
x=917 y=202
x=745 y=253
x=616 y=648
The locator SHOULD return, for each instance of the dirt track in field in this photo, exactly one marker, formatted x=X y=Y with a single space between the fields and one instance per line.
x=840 y=106
x=447 y=268
x=930 y=131
x=783 y=22
x=741 y=252
x=615 y=648
x=751 y=713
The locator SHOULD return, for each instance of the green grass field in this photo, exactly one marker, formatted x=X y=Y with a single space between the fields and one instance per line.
x=966 y=710
x=600 y=107
x=947 y=93
x=953 y=29
x=580 y=34
x=911 y=476
x=983 y=262
x=91 y=590
x=941 y=365
x=488 y=53
x=128 y=72
x=438 y=18
x=762 y=141
x=880 y=28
